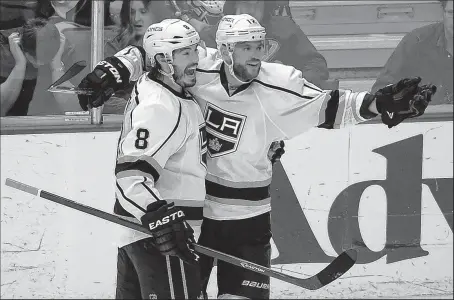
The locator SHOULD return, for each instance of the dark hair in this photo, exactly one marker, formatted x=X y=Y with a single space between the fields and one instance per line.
x=154 y=69
x=444 y=3
x=125 y=34
x=40 y=39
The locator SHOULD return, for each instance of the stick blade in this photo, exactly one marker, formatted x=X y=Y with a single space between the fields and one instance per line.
x=338 y=267
x=21 y=186
x=70 y=73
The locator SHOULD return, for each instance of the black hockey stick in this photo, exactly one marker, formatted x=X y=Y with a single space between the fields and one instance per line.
x=334 y=270
x=70 y=73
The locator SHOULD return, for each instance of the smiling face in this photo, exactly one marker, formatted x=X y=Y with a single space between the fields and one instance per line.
x=185 y=62
x=141 y=16
x=247 y=58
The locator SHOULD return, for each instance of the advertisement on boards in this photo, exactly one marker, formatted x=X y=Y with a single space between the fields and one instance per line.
x=386 y=193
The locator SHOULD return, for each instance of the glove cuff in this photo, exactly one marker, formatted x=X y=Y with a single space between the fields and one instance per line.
x=364 y=109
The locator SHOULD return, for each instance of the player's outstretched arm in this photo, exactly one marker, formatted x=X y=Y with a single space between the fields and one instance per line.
x=395 y=103
x=297 y=105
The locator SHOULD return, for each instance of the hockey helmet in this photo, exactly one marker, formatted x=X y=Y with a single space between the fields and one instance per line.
x=239 y=28
x=234 y=29
x=167 y=36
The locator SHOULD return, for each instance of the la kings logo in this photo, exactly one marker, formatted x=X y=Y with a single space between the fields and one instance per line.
x=224 y=130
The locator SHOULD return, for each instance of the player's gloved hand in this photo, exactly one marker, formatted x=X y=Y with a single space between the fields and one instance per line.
x=172 y=235
x=276 y=151
x=109 y=75
x=405 y=99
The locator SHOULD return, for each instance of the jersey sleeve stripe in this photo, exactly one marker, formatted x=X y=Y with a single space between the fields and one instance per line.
x=251 y=194
x=129 y=200
x=150 y=160
x=131 y=173
x=149 y=190
x=357 y=104
x=140 y=165
x=119 y=210
x=340 y=115
x=173 y=131
x=328 y=112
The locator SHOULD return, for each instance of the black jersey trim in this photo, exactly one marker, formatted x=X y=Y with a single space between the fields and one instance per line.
x=251 y=194
x=149 y=190
x=282 y=89
x=140 y=165
x=129 y=200
x=173 y=131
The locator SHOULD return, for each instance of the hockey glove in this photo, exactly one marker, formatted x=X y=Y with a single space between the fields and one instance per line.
x=171 y=234
x=276 y=151
x=406 y=99
x=109 y=76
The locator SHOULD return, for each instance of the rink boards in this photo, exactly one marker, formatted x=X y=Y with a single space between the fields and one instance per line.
x=386 y=192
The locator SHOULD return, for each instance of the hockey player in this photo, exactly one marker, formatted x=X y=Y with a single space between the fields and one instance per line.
x=160 y=167
x=248 y=104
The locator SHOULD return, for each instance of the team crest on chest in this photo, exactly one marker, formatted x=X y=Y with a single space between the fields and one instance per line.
x=223 y=129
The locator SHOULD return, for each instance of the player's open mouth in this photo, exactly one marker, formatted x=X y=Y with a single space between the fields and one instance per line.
x=190 y=71
x=256 y=64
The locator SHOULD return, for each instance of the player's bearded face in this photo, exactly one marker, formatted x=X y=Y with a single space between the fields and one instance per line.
x=185 y=62
x=247 y=59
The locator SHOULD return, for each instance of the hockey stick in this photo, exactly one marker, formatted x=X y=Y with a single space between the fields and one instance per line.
x=75 y=69
x=334 y=270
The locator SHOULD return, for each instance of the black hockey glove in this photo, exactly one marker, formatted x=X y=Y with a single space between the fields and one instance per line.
x=406 y=99
x=110 y=75
x=276 y=151
x=172 y=235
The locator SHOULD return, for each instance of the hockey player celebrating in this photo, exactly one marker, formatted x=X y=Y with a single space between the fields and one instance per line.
x=248 y=104
x=161 y=160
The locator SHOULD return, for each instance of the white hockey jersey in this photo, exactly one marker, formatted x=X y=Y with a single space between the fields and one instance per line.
x=278 y=104
x=161 y=153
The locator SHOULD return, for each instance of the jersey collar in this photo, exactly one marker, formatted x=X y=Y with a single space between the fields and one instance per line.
x=184 y=94
x=225 y=83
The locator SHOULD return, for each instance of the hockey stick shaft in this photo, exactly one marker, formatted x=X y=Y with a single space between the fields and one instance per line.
x=75 y=69
x=334 y=270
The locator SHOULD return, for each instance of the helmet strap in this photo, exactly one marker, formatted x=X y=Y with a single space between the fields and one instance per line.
x=169 y=61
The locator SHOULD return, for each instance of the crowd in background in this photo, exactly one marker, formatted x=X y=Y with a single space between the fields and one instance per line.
x=41 y=39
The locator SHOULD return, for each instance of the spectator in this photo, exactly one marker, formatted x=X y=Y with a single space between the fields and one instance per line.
x=286 y=41
x=134 y=19
x=425 y=52
x=27 y=58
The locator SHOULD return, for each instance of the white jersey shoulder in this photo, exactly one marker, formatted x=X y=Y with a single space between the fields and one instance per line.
x=288 y=78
